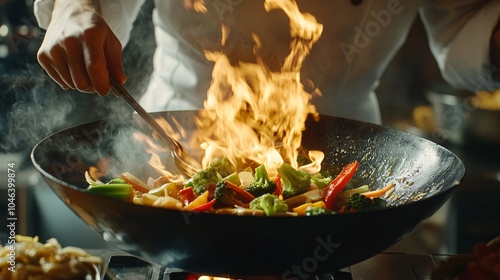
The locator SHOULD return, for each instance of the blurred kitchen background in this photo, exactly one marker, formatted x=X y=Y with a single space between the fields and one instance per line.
x=411 y=96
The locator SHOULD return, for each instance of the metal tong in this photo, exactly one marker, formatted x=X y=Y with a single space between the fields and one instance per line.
x=183 y=160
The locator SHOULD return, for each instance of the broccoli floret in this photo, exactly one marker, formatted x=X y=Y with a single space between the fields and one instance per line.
x=261 y=183
x=223 y=166
x=270 y=204
x=359 y=202
x=317 y=211
x=321 y=180
x=226 y=195
x=293 y=181
x=203 y=179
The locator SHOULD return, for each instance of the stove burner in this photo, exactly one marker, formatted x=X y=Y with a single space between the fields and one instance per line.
x=384 y=266
x=129 y=267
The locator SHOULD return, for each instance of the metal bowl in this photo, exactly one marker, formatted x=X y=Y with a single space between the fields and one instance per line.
x=460 y=122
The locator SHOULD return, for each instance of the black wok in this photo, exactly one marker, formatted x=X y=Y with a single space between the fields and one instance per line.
x=425 y=175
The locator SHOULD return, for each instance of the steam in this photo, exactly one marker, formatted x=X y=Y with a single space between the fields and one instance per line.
x=41 y=108
x=36 y=111
x=34 y=106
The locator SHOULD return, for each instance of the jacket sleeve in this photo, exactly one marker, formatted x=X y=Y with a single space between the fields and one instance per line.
x=459 y=37
x=119 y=14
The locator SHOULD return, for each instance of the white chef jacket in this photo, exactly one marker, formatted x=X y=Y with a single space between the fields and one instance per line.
x=356 y=45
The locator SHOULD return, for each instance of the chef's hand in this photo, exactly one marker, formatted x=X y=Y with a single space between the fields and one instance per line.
x=79 y=50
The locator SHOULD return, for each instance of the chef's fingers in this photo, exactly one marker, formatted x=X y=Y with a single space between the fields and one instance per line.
x=95 y=63
x=54 y=75
x=103 y=60
x=58 y=60
x=76 y=66
x=113 y=53
x=51 y=60
x=60 y=64
x=46 y=64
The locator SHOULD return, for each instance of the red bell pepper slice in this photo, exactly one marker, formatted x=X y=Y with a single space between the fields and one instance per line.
x=186 y=195
x=204 y=207
x=338 y=184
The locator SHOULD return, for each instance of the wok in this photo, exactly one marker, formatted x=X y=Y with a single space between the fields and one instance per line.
x=425 y=175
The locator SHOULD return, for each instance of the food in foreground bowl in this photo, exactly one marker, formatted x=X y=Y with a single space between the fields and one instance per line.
x=220 y=189
x=483 y=265
x=487 y=100
x=27 y=258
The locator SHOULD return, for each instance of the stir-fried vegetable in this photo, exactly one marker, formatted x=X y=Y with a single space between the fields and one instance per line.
x=135 y=182
x=321 y=180
x=197 y=202
x=249 y=192
x=293 y=181
x=116 y=188
x=261 y=184
x=318 y=211
x=360 y=201
x=228 y=194
x=302 y=209
x=119 y=191
x=270 y=204
x=339 y=183
x=203 y=179
x=223 y=166
x=187 y=195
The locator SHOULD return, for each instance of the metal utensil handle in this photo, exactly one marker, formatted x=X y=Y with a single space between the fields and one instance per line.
x=122 y=92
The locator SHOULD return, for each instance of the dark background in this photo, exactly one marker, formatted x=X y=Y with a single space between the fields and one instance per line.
x=32 y=106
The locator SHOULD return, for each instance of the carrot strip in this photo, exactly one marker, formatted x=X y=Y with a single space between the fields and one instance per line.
x=379 y=192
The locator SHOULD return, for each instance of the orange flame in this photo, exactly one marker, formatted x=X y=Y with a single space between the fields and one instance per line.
x=253 y=115
x=154 y=149
x=197 y=5
x=256 y=115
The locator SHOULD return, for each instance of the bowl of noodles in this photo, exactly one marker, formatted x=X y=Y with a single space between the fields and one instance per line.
x=26 y=257
x=422 y=176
